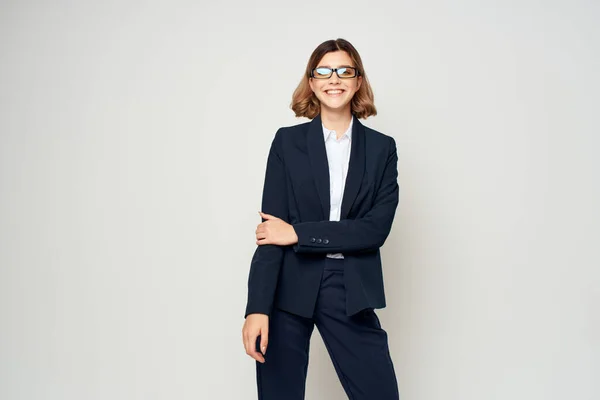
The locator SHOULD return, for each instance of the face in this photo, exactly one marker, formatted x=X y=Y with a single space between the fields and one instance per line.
x=334 y=93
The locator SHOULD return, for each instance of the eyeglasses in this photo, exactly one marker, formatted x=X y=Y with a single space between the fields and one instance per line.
x=342 y=72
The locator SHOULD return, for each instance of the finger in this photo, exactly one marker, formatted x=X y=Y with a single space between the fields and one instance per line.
x=260 y=242
x=258 y=357
x=245 y=337
x=247 y=344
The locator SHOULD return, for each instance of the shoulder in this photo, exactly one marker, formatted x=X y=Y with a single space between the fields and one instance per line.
x=291 y=135
x=285 y=131
x=379 y=139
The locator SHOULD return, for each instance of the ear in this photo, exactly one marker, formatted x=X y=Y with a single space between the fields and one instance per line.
x=310 y=83
x=359 y=78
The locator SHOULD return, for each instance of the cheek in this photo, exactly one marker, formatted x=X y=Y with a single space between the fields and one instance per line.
x=318 y=91
x=315 y=88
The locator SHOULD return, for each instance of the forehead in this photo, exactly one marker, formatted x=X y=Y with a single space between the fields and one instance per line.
x=335 y=59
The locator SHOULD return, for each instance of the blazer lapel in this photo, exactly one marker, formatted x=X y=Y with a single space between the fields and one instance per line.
x=356 y=167
x=318 y=162
x=320 y=167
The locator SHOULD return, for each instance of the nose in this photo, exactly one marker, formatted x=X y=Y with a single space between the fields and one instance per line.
x=334 y=78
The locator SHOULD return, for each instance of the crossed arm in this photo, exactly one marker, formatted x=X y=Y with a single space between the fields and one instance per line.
x=346 y=236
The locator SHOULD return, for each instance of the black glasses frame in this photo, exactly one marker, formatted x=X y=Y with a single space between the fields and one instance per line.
x=357 y=73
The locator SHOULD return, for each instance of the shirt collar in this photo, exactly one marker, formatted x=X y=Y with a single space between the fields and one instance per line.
x=327 y=132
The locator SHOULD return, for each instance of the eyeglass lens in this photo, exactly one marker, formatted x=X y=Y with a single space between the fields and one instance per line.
x=343 y=72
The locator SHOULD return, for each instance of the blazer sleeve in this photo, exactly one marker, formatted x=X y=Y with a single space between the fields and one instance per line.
x=356 y=235
x=267 y=259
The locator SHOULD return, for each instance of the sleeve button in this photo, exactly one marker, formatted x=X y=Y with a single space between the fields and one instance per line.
x=312 y=240
x=319 y=240
x=325 y=241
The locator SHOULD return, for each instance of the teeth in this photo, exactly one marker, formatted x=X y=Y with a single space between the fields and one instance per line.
x=333 y=91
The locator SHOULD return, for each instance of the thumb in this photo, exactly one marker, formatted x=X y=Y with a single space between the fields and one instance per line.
x=266 y=216
x=264 y=340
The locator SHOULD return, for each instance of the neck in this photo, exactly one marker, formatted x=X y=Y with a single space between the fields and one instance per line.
x=339 y=121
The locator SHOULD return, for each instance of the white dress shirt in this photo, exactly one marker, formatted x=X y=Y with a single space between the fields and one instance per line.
x=338 y=157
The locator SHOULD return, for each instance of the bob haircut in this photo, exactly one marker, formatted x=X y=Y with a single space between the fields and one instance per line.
x=306 y=104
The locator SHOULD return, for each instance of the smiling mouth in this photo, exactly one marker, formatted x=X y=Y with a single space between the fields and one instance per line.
x=334 y=92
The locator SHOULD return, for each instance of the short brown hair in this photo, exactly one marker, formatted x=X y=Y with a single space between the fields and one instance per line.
x=306 y=104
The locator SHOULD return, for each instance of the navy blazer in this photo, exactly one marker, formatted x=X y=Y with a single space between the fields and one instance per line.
x=296 y=189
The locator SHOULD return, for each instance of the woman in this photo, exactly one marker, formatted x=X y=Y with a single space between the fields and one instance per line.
x=329 y=199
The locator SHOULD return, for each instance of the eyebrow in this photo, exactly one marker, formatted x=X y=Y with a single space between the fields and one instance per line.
x=329 y=66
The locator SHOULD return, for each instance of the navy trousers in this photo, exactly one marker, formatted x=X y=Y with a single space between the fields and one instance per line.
x=357 y=345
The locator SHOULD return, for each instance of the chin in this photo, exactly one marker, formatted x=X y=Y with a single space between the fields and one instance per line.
x=336 y=107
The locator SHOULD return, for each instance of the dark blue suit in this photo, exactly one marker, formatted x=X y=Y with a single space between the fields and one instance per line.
x=295 y=285
x=296 y=189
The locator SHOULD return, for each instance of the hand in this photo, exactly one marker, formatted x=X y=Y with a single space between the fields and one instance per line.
x=256 y=324
x=275 y=231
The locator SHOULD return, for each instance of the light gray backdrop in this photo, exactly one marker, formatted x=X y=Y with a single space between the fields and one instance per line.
x=133 y=144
